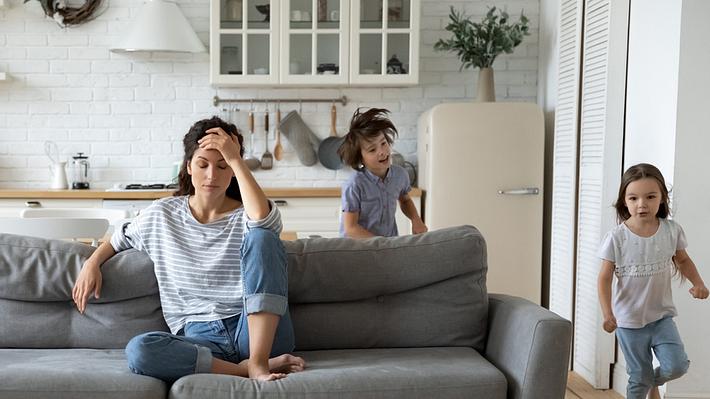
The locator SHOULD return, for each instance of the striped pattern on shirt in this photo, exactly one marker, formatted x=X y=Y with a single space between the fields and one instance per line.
x=198 y=266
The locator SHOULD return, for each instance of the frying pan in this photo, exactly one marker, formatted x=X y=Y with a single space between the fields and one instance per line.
x=328 y=148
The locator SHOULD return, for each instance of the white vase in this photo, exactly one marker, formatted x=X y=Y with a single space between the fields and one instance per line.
x=486 y=87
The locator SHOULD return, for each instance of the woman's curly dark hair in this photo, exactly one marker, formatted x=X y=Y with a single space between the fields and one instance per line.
x=198 y=131
x=365 y=126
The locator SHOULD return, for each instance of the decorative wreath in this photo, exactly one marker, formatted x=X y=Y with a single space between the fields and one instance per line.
x=68 y=16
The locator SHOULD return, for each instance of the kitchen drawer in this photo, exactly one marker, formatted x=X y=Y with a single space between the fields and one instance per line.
x=132 y=206
x=49 y=203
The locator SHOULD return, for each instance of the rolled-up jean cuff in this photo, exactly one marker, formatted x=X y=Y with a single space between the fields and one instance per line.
x=203 y=364
x=269 y=303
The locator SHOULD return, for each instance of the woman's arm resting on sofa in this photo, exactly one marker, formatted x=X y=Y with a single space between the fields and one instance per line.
x=89 y=280
x=530 y=345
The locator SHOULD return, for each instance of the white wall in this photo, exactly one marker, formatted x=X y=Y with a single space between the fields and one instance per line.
x=547 y=99
x=129 y=111
x=692 y=188
x=667 y=126
x=652 y=83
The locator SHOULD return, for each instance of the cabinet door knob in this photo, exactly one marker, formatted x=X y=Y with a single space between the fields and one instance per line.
x=281 y=202
x=33 y=204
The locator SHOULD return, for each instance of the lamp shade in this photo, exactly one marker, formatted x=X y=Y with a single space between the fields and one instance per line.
x=160 y=26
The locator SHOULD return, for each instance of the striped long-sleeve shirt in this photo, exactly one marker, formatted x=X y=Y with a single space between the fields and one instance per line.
x=197 y=265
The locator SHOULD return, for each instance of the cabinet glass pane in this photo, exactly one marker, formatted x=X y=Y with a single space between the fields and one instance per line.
x=327 y=55
x=300 y=55
x=328 y=14
x=397 y=53
x=258 y=14
x=370 y=54
x=231 y=55
x=370 y=14
x=231 y=12
x=258 y=54
x=301 y=14
x=398 y=13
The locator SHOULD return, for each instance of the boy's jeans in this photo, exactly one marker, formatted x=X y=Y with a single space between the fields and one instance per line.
x=662 y=337
x=265 y=280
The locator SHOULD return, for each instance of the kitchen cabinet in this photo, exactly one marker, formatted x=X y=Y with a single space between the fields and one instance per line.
x=314 y=42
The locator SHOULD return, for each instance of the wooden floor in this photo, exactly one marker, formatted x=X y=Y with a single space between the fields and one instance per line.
x=578 y=388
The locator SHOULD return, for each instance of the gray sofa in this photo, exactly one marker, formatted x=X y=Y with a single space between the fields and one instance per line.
x=403 y=317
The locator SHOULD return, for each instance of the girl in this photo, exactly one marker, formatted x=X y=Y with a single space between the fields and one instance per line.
x=643 y=252
x=370 y=196
x=220 y=266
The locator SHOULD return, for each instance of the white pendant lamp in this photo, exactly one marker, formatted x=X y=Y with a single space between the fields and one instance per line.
x=160 y=26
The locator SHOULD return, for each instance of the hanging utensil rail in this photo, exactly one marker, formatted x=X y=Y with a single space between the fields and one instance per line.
x=342 y=100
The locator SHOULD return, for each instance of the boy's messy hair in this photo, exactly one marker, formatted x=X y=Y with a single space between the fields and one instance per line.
x=365 y=126
x=638 y=172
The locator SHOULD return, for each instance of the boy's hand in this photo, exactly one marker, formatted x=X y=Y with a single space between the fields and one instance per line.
x=699 y=291
x=609 y=324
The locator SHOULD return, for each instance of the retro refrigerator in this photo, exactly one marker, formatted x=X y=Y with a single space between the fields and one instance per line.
x=482 y=164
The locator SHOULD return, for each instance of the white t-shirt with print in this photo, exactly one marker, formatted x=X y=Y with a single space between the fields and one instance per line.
x=643 y=270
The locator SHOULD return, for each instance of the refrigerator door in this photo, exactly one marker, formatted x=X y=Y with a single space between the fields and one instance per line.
x=482 y=164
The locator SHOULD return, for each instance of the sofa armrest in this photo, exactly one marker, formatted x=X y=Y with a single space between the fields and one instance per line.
x=530 y=345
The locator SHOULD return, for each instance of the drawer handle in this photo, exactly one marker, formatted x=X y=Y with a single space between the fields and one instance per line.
x=33 y=204
x=281 y=202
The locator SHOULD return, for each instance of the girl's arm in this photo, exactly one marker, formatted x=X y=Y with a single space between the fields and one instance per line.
x=687 y=268
x=253 y=197
x=410 y=211
x=352 y=228
x=90 y=280
x=606 y=274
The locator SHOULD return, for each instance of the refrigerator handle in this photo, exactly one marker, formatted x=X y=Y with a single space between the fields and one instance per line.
x=521 y=191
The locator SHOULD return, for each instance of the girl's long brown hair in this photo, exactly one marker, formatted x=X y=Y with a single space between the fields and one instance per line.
x=638 y=172
x=196 y=132
x=363 y=126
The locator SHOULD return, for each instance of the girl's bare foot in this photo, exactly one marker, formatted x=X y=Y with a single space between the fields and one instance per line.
x=269 y=377
x=286 y=364
x=654 y=394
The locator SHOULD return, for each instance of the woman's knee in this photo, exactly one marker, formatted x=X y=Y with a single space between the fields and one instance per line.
x=142 y=349
x=263 y=247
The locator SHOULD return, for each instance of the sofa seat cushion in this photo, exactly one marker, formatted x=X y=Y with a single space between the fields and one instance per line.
x=73 y=373
x=446 y=372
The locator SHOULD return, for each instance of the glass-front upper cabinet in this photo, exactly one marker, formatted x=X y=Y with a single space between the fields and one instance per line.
x=315 y=42
x=385 y=42
x=244 y=38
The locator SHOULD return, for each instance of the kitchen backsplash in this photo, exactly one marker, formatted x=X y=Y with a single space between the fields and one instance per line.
x=128 y=112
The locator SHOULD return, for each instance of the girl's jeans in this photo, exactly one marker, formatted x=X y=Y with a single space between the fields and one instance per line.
x=662 y=337
x=265 y=280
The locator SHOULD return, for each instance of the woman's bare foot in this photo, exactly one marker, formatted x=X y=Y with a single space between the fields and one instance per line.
x=286 y=364
x=654 y=394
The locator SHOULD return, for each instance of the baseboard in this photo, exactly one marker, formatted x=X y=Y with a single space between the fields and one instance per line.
x=686 y=396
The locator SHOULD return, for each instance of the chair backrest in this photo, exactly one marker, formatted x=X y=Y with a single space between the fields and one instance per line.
x=115 y=217
x=56 y=227
x=112 y=215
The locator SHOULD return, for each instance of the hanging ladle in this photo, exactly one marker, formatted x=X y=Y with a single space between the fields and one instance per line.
x=278 y=149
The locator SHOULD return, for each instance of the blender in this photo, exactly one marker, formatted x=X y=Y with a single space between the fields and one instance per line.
x=80 y=171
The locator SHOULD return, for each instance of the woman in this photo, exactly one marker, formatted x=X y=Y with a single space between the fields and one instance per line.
x=220 y=265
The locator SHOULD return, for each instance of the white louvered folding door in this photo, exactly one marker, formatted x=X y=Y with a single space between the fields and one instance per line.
x=587 y=169
x=600 y=163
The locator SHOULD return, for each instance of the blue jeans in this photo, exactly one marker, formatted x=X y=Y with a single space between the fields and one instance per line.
x=265 y=280
x=662 y=337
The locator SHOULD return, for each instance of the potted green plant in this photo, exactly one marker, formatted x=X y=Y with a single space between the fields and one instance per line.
x=477 y=44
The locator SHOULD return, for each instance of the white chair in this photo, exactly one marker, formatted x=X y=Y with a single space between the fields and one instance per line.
x=56 y=227
x=73 y=216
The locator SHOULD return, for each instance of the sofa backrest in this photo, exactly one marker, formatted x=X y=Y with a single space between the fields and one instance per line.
x=408 y=291
x=36 y=307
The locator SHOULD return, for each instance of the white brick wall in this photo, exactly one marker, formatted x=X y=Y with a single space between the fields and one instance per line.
x=130 y=111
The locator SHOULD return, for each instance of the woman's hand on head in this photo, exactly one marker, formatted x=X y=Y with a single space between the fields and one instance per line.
x=227 y=144
x=88 y=283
